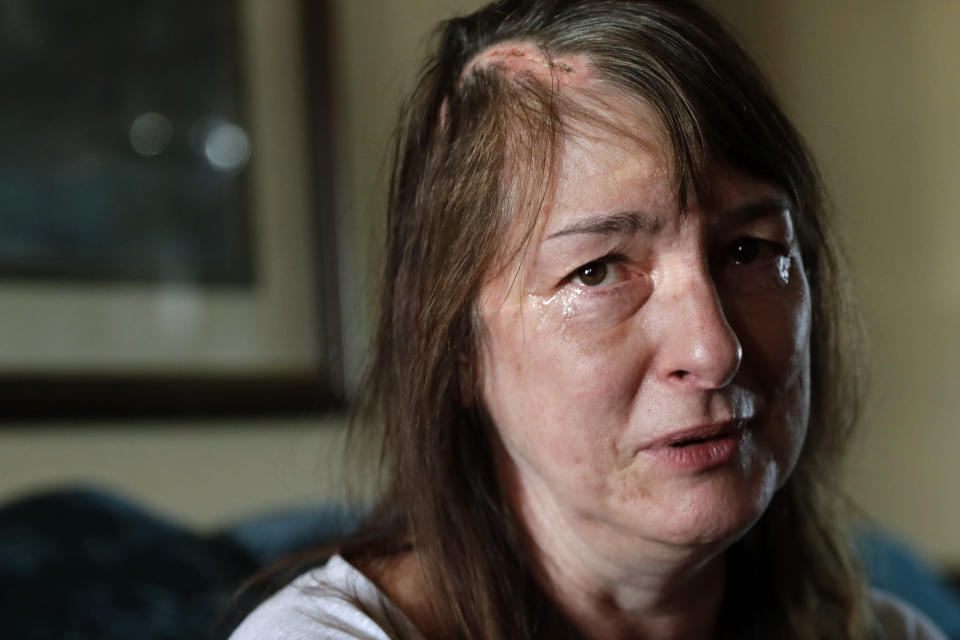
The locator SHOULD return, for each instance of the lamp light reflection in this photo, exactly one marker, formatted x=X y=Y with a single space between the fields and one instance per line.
x=226 y=146
x=150 y=133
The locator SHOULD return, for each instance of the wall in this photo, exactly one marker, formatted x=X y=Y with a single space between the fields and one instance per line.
x=202 y=473
x=876 y=92
x=874 y=87
x=206 y=473
x=381 y=43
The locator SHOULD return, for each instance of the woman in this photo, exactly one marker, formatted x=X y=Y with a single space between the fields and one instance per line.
x=608 y=361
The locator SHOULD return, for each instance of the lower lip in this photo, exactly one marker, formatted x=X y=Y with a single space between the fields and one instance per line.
x=699 y=456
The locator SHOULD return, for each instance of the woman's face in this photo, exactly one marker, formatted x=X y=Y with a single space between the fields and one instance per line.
x=648 y=369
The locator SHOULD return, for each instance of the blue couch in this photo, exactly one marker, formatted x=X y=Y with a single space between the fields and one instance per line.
x=83 y=564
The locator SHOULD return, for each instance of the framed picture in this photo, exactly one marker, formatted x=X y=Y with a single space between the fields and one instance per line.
x=167 y=238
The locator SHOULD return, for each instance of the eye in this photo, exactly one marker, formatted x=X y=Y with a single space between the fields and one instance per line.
x=744 y=250
x=748 y=250
x=605 y=271
x=752 y=261
x=592 y=274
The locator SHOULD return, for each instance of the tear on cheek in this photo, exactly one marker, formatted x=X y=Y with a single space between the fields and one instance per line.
x=574 y=312
x=784 y=264
x=555 y=312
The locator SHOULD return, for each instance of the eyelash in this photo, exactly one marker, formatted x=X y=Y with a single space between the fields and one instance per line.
x=760 y=245
x=763 y=249
x=615 y=260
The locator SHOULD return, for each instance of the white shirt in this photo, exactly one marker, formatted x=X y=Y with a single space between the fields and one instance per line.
x=332 y=602
x=337 y=602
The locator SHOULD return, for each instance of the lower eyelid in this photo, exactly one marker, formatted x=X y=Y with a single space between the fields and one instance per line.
x=773 y=271
x=608 y=304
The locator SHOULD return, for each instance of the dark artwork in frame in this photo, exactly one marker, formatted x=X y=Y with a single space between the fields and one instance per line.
x=124 y=147
x=133 y=178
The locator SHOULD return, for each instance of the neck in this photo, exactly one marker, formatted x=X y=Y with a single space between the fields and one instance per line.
x=666 y=607
x=616 y=588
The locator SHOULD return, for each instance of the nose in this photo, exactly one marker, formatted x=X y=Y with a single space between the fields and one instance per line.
x=699 y=348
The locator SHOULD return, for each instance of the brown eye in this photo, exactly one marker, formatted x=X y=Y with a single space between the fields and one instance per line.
x=592 y=274
x=744 y=250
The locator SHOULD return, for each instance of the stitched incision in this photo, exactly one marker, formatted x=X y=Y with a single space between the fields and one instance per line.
x=526 y=57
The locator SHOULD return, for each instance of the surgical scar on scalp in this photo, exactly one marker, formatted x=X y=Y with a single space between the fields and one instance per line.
x=515 y=57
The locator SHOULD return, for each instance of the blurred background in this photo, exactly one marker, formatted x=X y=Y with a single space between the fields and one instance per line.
x=190 y=196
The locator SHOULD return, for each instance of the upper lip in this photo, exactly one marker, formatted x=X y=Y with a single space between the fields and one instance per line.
x=698 y=432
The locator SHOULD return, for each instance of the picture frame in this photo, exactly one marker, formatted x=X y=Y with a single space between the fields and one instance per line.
x=96 y=345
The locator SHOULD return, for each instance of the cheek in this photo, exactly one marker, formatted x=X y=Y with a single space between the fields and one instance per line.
x=573 y=378
x=552 y=392
x=788 y=421
x=774 y=331
x=775 y=336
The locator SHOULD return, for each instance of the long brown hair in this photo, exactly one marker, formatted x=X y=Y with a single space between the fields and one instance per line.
x=474 y=149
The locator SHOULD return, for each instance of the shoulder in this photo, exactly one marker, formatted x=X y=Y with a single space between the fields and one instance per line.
x=332 y=602
x=897 y=620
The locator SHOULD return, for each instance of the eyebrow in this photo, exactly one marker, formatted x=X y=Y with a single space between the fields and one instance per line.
x=626 y=222
x=757 y=209
x=620 y=222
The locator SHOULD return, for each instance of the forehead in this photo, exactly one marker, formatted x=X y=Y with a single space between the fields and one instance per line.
x=616 y=160
x=617 y=156
x=620 y=166
x=611 y=153
x=623 y=153
x=605 y=126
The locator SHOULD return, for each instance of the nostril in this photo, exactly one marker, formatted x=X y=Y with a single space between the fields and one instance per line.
x=681 y=374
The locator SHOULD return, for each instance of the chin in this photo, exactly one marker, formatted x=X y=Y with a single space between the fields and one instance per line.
x=719 y=511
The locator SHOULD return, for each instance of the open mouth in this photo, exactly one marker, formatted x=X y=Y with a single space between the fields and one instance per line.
x=701 y=448
x=694 y=441
x=704 y=438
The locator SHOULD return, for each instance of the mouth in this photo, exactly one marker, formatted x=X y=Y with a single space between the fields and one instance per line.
x=691 y=442
x=699 y=435
x=700 y=447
